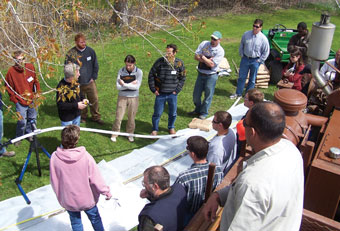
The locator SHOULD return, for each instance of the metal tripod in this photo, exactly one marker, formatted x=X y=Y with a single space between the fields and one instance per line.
x=34 y=145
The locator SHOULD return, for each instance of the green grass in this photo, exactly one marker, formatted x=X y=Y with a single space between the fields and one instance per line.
x=111 y=54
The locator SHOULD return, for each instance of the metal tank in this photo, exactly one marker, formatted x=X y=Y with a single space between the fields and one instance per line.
x=320 y=43
x=321 y=38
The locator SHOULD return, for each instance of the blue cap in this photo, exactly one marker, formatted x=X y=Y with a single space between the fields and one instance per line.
x=216 y=35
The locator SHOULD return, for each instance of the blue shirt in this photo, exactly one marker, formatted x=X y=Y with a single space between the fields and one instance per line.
x=254 y=46
x=217 y=53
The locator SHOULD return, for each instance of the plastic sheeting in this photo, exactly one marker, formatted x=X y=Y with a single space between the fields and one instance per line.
x=123 y=175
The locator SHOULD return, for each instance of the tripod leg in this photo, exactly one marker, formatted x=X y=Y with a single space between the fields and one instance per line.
x=45 y=151
x=19 y=179
x=37 y=157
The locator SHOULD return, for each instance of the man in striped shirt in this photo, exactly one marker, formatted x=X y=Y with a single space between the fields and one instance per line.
x=195 y=178
x=166 y=80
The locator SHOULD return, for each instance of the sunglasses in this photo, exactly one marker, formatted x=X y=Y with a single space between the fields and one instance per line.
x=213 y=39
x=256 y=26
x=19 y=60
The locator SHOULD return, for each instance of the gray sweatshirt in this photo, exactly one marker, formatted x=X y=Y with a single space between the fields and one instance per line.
x=129 y=89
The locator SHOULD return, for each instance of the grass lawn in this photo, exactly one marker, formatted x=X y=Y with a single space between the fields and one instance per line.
x=111 y=54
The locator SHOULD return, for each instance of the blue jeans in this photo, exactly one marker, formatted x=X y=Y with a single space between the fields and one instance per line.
x=3 y=150
x=159 y=108
x=92 y=214
x=76 y=121
x=28 y=114
x=207 y=84
x=246 y=65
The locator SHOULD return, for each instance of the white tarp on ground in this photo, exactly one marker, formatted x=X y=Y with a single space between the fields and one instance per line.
x=120 y=214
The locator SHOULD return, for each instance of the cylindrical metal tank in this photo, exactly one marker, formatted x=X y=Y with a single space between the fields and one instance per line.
x=320 y=41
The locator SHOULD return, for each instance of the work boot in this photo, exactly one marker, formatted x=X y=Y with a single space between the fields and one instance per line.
x=172 y=131
x=8 y=154
x=193 y=113
x=17 y=144
x=100 y=122
x=30 y=139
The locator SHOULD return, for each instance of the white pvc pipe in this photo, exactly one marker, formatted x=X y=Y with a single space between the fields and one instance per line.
x=40 y=131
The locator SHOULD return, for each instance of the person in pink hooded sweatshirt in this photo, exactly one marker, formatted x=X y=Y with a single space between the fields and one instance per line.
x=76 y=180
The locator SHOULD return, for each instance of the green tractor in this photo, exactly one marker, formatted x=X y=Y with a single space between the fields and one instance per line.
x=278 y=38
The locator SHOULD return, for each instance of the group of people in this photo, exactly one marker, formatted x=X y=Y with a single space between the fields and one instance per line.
x=299 y=64
x=268 y=193
x=77 y=90
x=77 y=182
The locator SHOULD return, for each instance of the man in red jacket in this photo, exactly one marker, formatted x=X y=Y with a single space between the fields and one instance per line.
x=22 y=86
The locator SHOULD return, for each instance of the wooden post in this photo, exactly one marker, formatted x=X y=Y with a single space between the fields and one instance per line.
x=210 y=181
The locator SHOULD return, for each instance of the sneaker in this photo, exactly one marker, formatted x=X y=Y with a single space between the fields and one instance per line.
x=8 y=154
x=202 y=117
x=100 y=122
x=193 y=113
x=172 y=131
x=154 y=133
x=17 y=144
x=114 y=138
x=234 y=96
x=131 y=139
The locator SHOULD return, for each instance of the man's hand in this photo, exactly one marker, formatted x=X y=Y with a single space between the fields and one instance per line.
x=156 y=92
x=81 y=105
x=211 y=207
x=121 y=82
x=134 y=82
x=174 y=93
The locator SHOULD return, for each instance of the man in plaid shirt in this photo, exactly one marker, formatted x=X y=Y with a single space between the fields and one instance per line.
x=195 y=178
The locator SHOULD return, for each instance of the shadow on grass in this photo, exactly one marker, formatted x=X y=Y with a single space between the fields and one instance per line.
x=48 y=109
x=32 y=168
x=222 y=92
x=9 y=129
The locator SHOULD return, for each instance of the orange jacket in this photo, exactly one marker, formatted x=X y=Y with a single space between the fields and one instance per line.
x=23 y=82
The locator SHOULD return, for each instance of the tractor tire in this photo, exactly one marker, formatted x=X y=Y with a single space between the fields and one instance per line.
x=275 y=68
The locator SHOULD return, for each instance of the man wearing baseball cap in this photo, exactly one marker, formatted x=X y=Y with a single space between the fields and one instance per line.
x=209 y=54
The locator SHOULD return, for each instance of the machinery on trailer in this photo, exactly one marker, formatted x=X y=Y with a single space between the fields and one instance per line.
x=278 y=38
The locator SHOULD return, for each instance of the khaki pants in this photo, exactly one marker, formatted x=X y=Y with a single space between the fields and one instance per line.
x=131 y=103
x=90 y=92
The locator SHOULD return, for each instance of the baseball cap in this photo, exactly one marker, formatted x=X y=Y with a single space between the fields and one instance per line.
x=216 y=35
